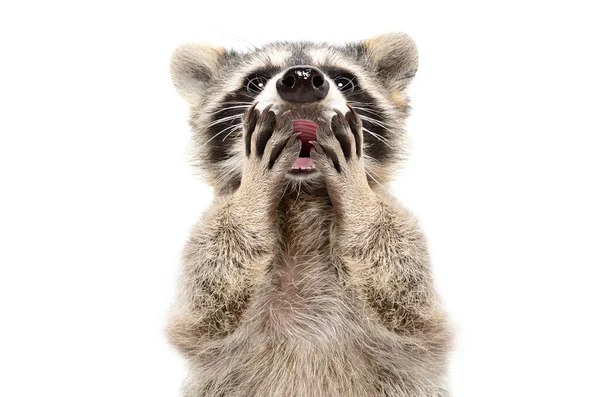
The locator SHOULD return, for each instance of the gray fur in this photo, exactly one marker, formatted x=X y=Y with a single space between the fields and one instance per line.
x=315 y=287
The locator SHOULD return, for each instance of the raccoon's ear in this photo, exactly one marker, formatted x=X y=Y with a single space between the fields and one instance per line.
x=394 y=57
x=193 y=66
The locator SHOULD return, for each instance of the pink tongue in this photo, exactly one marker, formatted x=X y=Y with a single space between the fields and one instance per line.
x=303 y=162
x=307 y=128
x=308 y=132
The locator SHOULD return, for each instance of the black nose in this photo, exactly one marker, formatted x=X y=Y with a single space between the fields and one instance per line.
x=302 y=84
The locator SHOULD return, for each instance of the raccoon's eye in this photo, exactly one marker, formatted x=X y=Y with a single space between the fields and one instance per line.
x=256 y=84
x=345 y=83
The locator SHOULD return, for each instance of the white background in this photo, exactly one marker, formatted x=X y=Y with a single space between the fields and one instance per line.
x=97 y=195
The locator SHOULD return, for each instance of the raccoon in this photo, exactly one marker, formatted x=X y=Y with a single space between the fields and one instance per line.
x=305 y=277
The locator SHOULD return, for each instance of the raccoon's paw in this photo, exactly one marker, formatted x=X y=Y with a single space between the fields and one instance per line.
x=270 y=150
x=338 y=154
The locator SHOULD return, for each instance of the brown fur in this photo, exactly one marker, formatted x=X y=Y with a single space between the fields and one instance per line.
x=314 y=288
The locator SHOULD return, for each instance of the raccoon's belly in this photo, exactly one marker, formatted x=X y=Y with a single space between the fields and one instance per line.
x=302 y=337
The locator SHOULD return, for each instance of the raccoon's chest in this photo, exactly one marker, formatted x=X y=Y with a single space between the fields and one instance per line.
x=304 y=294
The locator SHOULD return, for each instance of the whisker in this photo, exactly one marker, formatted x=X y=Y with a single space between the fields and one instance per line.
x=223 y=119
x=379 y=137
x=247 y=96
x=230 y=108
x=237 y=102
x=366 y=110
x=377 y=182
x=234 y=104
x=220 y=132
x=371 y=104
x=228 y=172
x=231 y=132
x=372 y=121
x=367 y=107
x=354 y=93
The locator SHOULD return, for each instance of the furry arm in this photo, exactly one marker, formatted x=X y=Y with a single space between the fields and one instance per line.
x=225 y=257
x=377 y=243
x=385 y=256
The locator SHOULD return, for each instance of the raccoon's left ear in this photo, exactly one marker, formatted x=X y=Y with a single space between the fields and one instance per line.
x=193 y=67
x=395 y=58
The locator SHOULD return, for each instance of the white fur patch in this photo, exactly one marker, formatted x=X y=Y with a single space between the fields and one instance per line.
x=269 y=95
x=278 y=58
x=335 y=99
x=320 y=55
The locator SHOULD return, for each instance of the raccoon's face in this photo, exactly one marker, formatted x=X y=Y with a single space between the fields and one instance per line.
x=309 y=79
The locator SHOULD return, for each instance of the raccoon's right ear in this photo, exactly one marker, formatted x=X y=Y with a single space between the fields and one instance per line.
x=193 y=66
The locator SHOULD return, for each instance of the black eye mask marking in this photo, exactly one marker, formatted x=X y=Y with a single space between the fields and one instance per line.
x=256 y=81
x=375 y=134
x=230 y=112
x=226 y=122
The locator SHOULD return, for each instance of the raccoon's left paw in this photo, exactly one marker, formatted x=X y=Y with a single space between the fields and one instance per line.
x=338 y=152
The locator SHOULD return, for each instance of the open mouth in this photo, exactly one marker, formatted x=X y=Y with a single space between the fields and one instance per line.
x=308 y=132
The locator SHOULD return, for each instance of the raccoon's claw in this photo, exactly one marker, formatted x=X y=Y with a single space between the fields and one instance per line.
x=341 y=142
x=250 y=117
x=337 y=154
x=355 y=124
x=248 y=125
x=265 y=125
x=348 y=131
x=323 y=152
x=340 y=128
x=278 y=148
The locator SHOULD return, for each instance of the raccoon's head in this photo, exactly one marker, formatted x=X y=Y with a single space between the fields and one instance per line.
x=312 y=79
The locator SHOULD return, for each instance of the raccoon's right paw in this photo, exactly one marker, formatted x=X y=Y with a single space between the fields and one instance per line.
x=270 y=150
